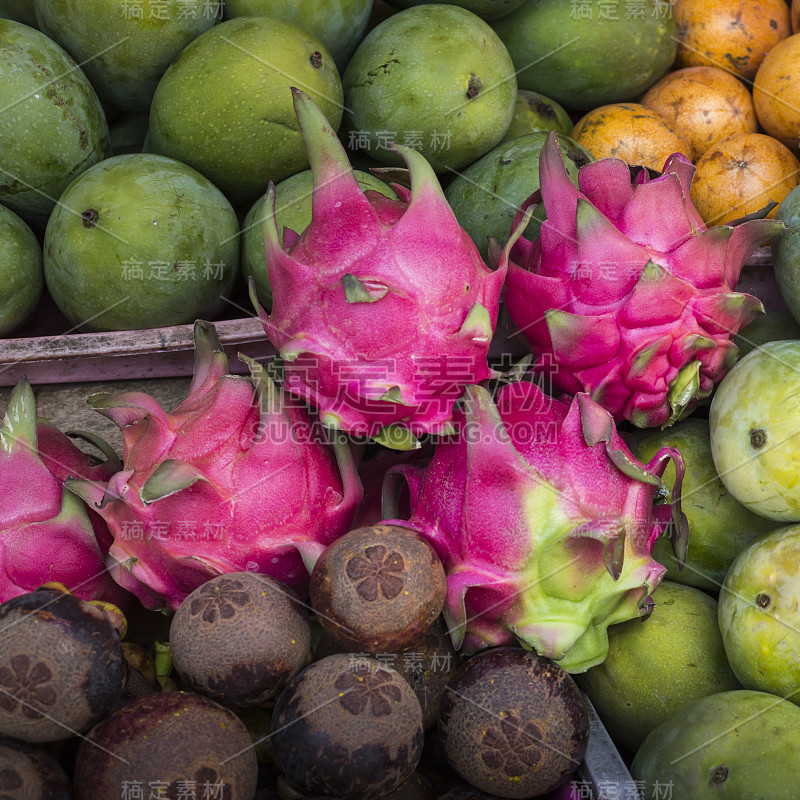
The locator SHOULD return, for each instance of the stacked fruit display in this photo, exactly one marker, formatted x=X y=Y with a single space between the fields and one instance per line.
x=506 y=456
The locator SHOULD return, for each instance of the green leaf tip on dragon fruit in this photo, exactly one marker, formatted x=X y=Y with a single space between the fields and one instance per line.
x=383 y=310
x=625 y=294
x=46 y=533
x=544 y=521
x=236 y=478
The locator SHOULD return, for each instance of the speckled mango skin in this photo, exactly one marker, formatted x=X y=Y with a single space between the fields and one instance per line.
x=409 y=80
x=759 y=615
x=43 y=91
x=738 y=745
x=486 y=195
x=224 y=106
x=486 y=9
x=150 y=209
x=720 y=527
x=20 y=271
x=755 y=431
x=584 y=62
x=340 y=24
x=133 y=52
x=533 y=113
x=658 y=665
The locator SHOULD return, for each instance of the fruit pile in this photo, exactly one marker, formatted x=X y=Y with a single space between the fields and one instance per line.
x=526 y=438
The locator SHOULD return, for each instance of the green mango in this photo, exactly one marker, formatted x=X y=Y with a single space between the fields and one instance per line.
x=292 y=210
x=785 y=248
x=657 y=665
x=720 y=527
x=487 y=194
x=52 y=127
x=773 y=326
x=225 y=107
x=124 y=47
x=759 y=614
x=340 y=24
x=20 y=271
x=485 y=9
x=534 y=113
x=738 y=745
x=141 y=241
x=590 y=53
x=435 y=78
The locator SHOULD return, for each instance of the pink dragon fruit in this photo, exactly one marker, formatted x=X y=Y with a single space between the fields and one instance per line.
x=626 y=294
x=544 y=522
x=235 y=478
x=383 y=310
x=45 y=532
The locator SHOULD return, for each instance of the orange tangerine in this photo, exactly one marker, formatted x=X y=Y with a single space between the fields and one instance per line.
x=776 y=92
x=705 y=103
x=741 y=175
x=631 y=132
x=729 y=34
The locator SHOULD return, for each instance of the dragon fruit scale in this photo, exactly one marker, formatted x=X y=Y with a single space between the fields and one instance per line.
x=236 y=477
x=383 y=309
x=46 y=534
x=625 y=294
x=544 y=522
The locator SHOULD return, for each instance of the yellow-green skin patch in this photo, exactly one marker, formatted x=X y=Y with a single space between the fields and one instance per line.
x=589 y=54
x=292 y=210
x=740 y=745
x=660 y=664
x=755 y=431
x=580 y=604
x=125 y=48
x=141 y=241
x=340 y=24
x=20 y=271
x=720 y=527
x=52 y=125
x=759 y=614
x=224 y=106
x=436 y=78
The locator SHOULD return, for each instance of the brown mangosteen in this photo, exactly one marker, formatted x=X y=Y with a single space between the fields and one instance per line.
x=512 y=723
x=428 y=666
x=163 y=743
x=378 y=589
x=61 y=666
x=239 y=638
x=347 y=727
x=29 y=773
